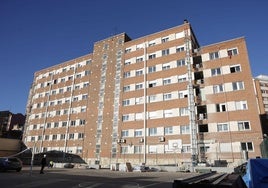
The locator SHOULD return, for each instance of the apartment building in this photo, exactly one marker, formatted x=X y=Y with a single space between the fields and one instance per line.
x=261 y=85
x=158 y=99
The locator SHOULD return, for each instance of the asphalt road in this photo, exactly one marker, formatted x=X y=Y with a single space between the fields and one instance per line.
x=87 y=178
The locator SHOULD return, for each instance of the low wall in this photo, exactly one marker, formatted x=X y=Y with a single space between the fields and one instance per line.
x=9 y=147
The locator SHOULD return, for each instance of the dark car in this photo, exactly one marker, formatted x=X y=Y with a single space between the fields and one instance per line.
x=10 y=163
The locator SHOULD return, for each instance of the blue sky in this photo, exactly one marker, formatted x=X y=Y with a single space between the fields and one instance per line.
x=36 y=34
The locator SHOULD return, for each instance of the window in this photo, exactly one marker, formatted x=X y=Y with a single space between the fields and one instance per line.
x=80 y=135
x=166 y=66
x=127 y=63
x=166 y=81
x=87 y=72
x=232 y=52
x=151 y=69
x=124 y=133
x=139 y=100
x=152 y=115
x=235 y=68
x=139 y=59
x=138 y=133
x=54 y=137
x=165 y=52
x=165 y=39
x=126 y=88
x=56 y=124
x=139 y=72
x=185 y=129
x=84 y=97
x=126 y=102
x=58 y=112
x=137 y=149
x=83 y=109
x=152 y=84
x=73 y=123
x=60 y=90
x=243 y=125
x=216 y=71
x=222 y=127
x=238 y=86
x=105 y=46
x=167 y=96
x=139 y=86
x=184 y=111
x=186 y=149
x=71 y=136
x=168 y=113
x=220 y=107
x=65 y=111
x=182 y=78
x=241 y=105
x=138 y=116
x=168 y=130
x=124 y=149
x=82 y=122
x=152 y=131
x=46 y=137
x=218 y=89
x=64 y=124
x=203 y=128
x=126 y=74
x=213 y=55
x=152 y=98
x=125 y=117
x=79 y=150
x=139 y=46
x=180 y=49
x=128 y=50
x=62 y=136
x=180 y=62
x=48 y=125
x=152 y=56
x=88 y=62
x=85 y=85
x=152 y=149
x=247 y=146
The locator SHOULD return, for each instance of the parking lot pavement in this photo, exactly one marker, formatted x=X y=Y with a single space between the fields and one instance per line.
x=74 y=178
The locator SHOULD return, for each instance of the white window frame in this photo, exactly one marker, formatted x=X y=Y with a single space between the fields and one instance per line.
x=222 y=127
x=241 y=105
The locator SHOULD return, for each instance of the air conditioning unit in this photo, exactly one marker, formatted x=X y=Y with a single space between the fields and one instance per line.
x=196 y=50
x=141 y=140
x=161 y=139
x=123 y=140
x=118 y=140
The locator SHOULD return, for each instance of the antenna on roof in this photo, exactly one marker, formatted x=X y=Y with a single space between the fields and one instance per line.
x=185 y=21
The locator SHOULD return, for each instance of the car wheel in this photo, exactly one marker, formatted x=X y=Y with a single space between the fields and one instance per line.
x=18 y=169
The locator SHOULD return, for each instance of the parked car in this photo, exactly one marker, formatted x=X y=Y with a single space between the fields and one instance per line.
x=68 y=165
x=10 y=163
